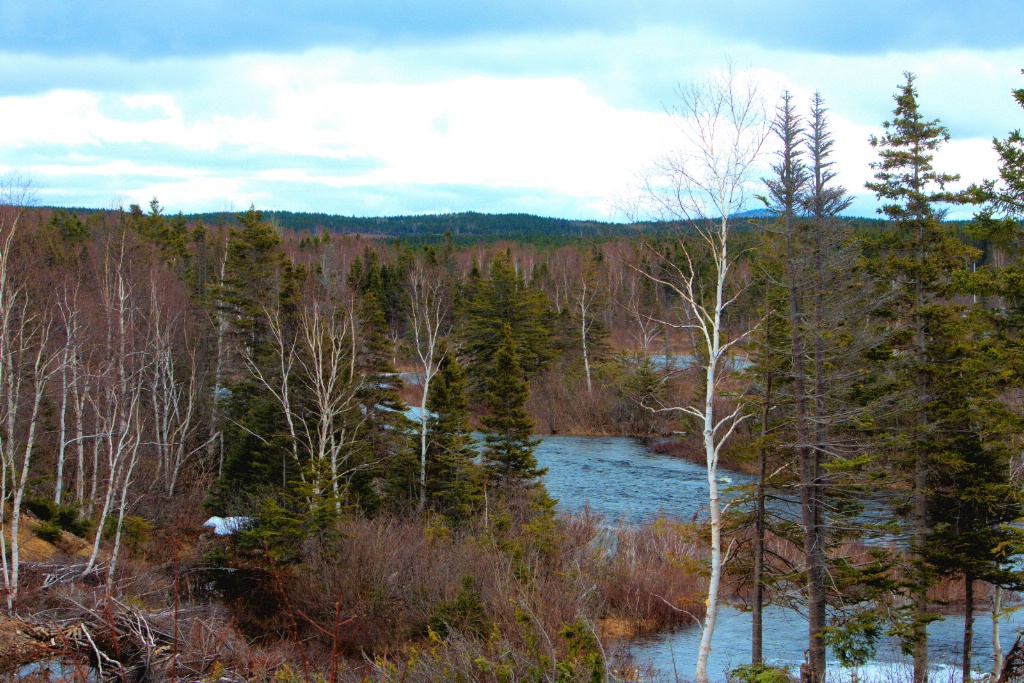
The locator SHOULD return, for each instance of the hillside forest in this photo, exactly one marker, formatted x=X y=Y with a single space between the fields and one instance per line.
x=362 y=411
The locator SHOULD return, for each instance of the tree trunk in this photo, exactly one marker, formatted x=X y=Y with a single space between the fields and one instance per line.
x=711 y=455
x=716 y=535
x=968 y=625
x=63 y=438
x=79 y=406
x=921 y=478
x=814 y=552
x=997 y=646
x=423 y=438
x=756 y=612
x=757 y=628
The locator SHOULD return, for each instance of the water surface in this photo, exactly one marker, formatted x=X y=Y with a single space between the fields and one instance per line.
x=624 y=481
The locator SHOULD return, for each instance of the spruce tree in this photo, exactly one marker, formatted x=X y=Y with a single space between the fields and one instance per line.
x=258 y=276
x=389 y=465
x=509 y=444
x=971 y=500
x=504 y=299
x=919 y=256
x=453 y=478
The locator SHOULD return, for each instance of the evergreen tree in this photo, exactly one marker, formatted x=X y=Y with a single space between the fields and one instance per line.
x=503 y=300
x=258 y=277
x=971 y=500
x=919 y=256
x=453 y=479
x=389 y=467
x=509 y=444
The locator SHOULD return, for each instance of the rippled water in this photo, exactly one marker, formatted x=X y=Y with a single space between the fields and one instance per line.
x=623 y=480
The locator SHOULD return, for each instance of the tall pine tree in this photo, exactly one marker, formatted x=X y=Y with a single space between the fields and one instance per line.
x=509 y=444
x=454 y=485
x=919 y=255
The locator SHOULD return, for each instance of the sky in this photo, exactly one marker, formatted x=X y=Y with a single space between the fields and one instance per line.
x=372 y=107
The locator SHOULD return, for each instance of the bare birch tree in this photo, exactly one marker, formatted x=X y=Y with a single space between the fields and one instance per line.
x=330 y=421
x=118 y=402
x=702 y=186
x=175 y=384
x=587 y=299
x=312 y=376
x=70 y=321
x=26 y=367
x=428 y=316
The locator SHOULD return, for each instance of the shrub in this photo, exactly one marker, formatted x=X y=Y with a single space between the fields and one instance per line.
x=760 y=673
x=49 y=532
x=464 y=613
x=135 y=531
x=70 y=519
x=583 y=661
x=66 y=517
x=43 y=508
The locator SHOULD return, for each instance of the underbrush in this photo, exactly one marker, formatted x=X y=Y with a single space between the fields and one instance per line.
x=518 y=595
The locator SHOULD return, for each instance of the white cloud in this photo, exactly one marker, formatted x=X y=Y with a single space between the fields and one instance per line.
x=574 y=115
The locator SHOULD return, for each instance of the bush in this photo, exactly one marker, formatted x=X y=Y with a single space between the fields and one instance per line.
x=49 y=532
x=464 y=613
x=43 y=508
x=66 y=517
x=135 y=531
x=760 y=673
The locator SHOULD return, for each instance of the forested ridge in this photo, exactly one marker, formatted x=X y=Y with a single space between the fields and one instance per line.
x=465 y=228
x=360 y=401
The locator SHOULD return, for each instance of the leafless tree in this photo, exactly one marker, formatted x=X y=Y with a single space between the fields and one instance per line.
x=314 y=381
x=27 y=364
x=118 y=402
x=702 y=186
x=175 y=384
x=587 y=299
x=429 y=321
x=67 y=306
x=330 y=421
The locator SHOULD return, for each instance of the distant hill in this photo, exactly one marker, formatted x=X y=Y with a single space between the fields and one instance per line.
x=468 y=226
x=462 y=225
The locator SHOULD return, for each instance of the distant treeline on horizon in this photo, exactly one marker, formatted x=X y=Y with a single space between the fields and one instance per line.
x=463 y=226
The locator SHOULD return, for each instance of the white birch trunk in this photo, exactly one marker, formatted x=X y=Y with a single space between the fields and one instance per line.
x=427 y=313
x=725 y=127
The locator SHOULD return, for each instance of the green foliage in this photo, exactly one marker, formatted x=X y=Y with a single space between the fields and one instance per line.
x=504 y=301
x=509 y=443
x=465 y=613
x=49 y=532
x=66 y=516
x=288 y=519
x=386 y=435
x=218 y=556
x=972 y=501
x=583 y=661
x=136 y=532
x=169 y=236
x=454 y=482
x=759 y=673
x=69 y=226
x=256 y=459
x=43 y=508
x=854 y=638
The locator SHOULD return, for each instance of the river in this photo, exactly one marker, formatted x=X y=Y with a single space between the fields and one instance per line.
x=624 y=481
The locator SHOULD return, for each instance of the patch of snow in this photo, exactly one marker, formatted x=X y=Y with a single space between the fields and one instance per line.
x=225 y=526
